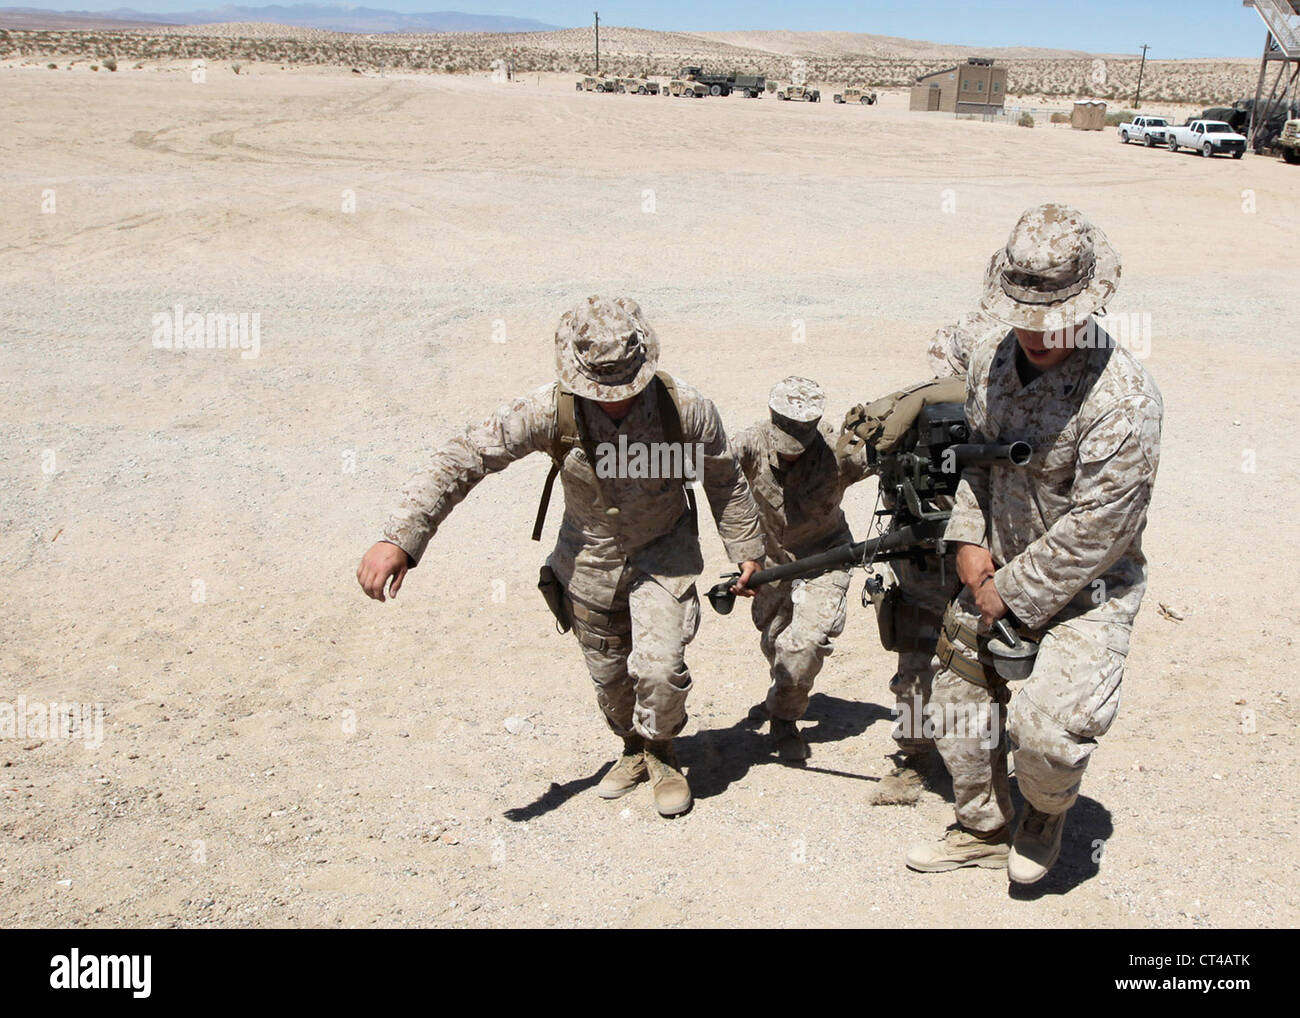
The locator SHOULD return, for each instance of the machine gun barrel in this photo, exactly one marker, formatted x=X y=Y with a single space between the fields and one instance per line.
x=972 y=454
x=893 y=544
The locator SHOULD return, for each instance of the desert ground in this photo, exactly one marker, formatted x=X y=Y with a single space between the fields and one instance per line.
x=181 y=527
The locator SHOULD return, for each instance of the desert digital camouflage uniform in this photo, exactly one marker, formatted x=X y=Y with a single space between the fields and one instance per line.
x=1066 y=536
x=923 y=594
x=799 y=504
x=630 y=575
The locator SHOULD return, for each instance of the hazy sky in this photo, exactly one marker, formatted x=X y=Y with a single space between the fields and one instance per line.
x=1173 y=28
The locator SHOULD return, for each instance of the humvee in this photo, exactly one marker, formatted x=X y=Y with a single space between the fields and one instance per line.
x=690 y=89
x=590 y=84
x=640 y=86
x=1289 y=141
x=799 y=93
x=856 y=95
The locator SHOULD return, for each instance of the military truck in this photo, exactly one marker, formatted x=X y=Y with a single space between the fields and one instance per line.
x=1288 y=142
x=855 y=95
x=639 y=86
x=751 y=86
x=799 y=93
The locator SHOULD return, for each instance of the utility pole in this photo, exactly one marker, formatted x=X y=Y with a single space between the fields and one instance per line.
x=1137 y=99
x=597 y=13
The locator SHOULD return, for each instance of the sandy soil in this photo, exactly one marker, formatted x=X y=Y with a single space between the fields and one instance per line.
x=180 y=529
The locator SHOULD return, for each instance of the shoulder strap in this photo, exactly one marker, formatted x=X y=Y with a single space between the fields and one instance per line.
x=670 y=411
x=568 y=434
x=566 y=437
x=670 y=416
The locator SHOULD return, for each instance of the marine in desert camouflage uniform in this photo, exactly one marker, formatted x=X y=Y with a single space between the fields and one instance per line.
x=922 y=597
x=627 y=553
x=798 y=482
x=1055 y=547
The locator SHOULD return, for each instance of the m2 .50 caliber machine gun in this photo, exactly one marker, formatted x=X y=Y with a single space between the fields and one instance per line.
x=918 y=443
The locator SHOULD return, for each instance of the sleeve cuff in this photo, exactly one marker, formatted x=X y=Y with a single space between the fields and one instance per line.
x=1017 y=598
x=747 y=551
x=414 y=548
x=965 y=527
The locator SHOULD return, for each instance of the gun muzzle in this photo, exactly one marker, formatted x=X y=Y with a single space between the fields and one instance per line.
x=972 y=454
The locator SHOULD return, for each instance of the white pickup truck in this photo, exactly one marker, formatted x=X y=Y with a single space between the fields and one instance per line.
x=1207 y=137
x=1148 y=130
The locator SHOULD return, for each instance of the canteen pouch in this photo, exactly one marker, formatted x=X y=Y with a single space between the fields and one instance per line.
x=553 y=594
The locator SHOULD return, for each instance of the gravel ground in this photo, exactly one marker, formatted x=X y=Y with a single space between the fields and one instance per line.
x=181 y=528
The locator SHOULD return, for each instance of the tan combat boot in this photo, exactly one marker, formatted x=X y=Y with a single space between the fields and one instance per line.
x=1037 y=845
x=960 y=847
x=788 y=741
x=903 y=785
x=672 y=793
x=629 y=770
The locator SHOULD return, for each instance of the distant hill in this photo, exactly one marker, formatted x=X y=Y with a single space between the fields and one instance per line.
x=332 y=18
x=831 y=44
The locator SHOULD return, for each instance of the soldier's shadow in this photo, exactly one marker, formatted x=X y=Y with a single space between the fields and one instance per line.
x=716 y=758
x=1087 y=829
x=555 y=797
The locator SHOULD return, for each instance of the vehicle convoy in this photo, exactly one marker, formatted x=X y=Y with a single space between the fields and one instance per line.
x=855 y=95
x=799 y=93
x=1289 y=141
x=1207 y=137
x=750 y=85
x=1151 y=131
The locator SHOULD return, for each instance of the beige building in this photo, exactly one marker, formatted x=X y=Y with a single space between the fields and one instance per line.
x=973 y=87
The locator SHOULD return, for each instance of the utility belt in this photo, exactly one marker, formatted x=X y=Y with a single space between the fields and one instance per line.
x=965 y=651
x=600 y=628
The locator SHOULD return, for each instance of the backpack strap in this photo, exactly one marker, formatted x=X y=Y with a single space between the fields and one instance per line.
x=566 y=437
x=670 y=416
x=568 y=433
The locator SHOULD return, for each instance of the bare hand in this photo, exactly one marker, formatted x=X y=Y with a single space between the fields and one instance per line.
x=747 y=569
x=381 y=563
x=974 y=565
x=989 y=602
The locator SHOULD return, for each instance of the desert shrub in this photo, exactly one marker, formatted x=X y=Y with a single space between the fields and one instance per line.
x=51 y=67
x=1060 y=118
x=109 y=64
x=235 y=67
x=94 y=67
x=1025 y=120
x=1118 y=117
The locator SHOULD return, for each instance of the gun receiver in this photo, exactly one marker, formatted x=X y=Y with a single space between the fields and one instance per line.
x=925 y=468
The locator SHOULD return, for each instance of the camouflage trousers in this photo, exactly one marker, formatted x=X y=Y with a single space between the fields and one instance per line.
x=636 y=654
x=922 y=597
x=798 y=622
x=1050 y=724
